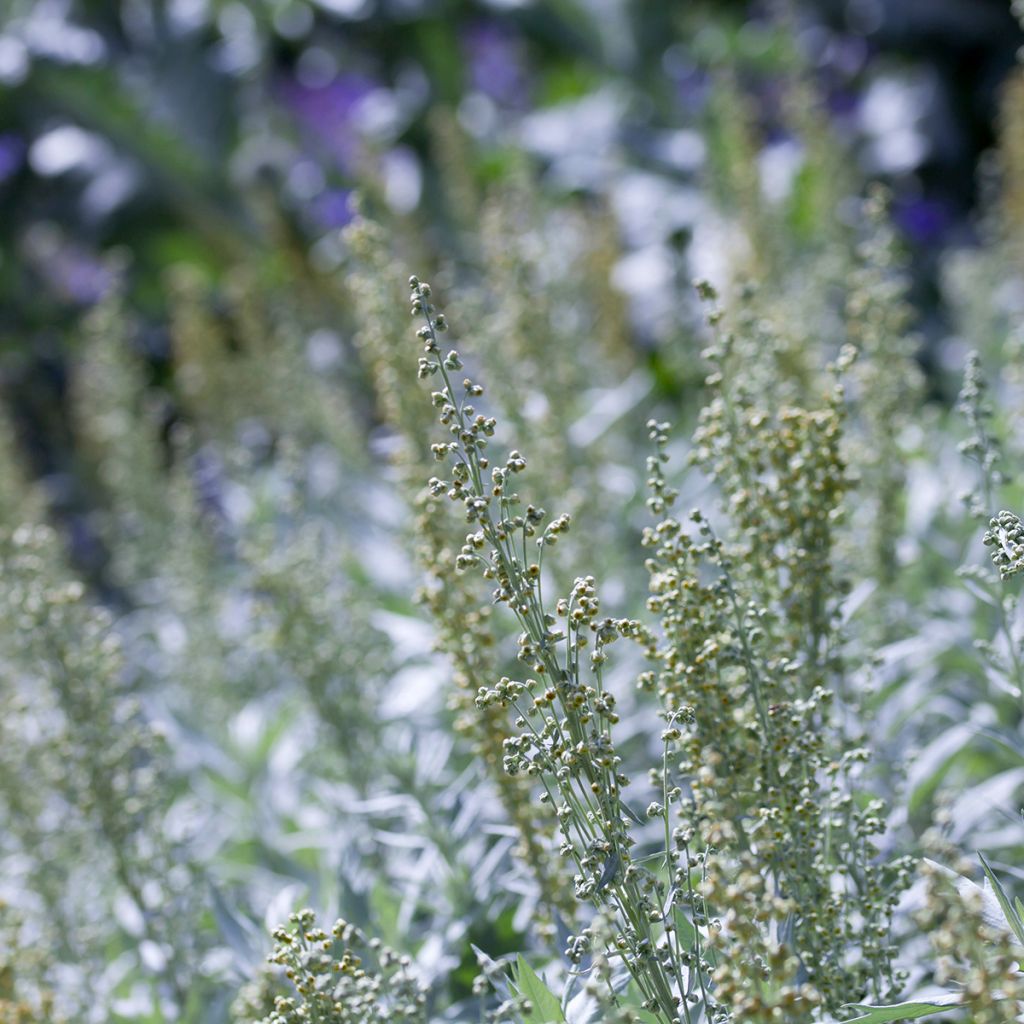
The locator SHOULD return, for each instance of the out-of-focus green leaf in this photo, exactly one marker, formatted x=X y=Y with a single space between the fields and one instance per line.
x=239 y=934
x=95 y=96
x=385 y=906
x=567 y=82
x=933 y=762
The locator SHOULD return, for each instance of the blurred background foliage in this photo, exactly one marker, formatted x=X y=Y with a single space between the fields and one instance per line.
x=202 y=131
x=218 y=134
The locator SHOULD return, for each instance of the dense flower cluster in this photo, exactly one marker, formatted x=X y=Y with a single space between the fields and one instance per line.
x=23 y=999
x=341 y=977
x=981 y=446
x=976 y=952
x=885 y=382
x=1005 y=536
x=317 y=635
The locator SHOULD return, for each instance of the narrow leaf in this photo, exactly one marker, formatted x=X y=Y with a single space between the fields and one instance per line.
x=547 y=1007
x=239 y=934
x=633 y=1000
x=492 y=969
x=901 y=1011
x=1013 y=918
x=687 y=932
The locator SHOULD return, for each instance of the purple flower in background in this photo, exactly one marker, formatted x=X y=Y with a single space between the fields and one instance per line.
x=692 y=87
x=496 y=64
x=840 y=62
x=80 y=277
x=76 y=275
x=923 y=221
x=846 y=55
x=71 y=271
x=842 y=103
x=12 y=153
x=332 y=208
x=327 y=114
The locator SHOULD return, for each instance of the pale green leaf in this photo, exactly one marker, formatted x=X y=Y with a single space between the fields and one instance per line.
x=633 y=999
x=901 y=1011
x=547 y=1008
x=1013 y=918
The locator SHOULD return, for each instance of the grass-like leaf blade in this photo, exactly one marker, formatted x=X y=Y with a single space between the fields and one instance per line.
x=546 y=1006
x=1013 y=918
x=901 y=1011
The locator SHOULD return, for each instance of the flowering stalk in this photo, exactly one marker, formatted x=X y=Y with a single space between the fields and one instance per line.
x=1004 y=535
x=887 y=380
x=564 y=713
x=748 y=661
x=465 y=631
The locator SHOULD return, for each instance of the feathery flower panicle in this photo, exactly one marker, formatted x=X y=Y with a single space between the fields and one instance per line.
x=84 y=731
x=981 y=446
x=465 y=630
x=886 y=385
x=748 y=660
x=1004 y=535
x=564 y=717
